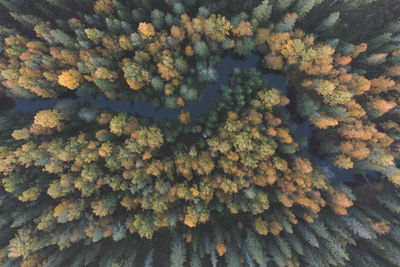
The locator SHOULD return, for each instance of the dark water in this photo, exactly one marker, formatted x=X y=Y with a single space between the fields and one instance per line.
x=146 y=109
x=303 y=131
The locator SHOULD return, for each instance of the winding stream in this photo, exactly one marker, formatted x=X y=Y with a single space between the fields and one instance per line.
x=199 y=107
x=146 y=109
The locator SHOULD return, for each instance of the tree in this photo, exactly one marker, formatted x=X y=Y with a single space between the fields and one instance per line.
x=135 y=74
x=104 y=6
x=23 y=244
x=70 y=79
x=302 y=7
x=244 y=46
x=49 y=119
x=243 y=29
x=146 y=30
x=269 y=98
x=289 y=20
x=178 y=253
x=329 y=22
x=104 y=206
x=118 y=124
x=262 y=13
x=283 y=4
x=184 y=117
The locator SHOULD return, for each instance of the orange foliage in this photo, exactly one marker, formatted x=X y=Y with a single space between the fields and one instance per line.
x=340 y=202
x=221 y=248
x=243 y=29
x=302 y=165
x=341 y=61
x=147 y=155
x=274 y=62
x=324 y=122
x=344 y=162
x=184 y=117
x=381 y=228
x=188 y=51
x=180 y=102
x=381 y=84
x=355 y=129
x=381 y=105
x=104 y=6
x=359 y=49
x=355 y=109
x=177 y=33
x=277 y=41
x=275 y=227
x=393 y=71
x=355 y=149
x=284 y=135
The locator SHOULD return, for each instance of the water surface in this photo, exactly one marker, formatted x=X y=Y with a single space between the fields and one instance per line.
x=201 y=106
x=146 y=108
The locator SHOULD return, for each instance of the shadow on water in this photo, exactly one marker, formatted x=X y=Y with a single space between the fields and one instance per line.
x=303 y=129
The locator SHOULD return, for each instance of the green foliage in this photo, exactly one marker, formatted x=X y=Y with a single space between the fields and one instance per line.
x=329 y=22
x=178 y=253
x=262 y=13
x=235 y=186
x=244 y=46
x=118 y=123
x=302 y=7
x=23 y=244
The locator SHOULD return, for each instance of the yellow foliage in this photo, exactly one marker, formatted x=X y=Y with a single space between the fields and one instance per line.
x=48 y=118
x=261 y=226
x=69 y=78
x=125 y=43
x=146 y=30
x=106 y=74
x=105 y=150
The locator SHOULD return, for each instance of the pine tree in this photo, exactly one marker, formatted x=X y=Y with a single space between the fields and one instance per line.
x=261 y=14
x=148 y=262
x=178 y=253
x=282 y=5
x=307 y=235
x=302 y=7
x=287 y=24
x=329 y=22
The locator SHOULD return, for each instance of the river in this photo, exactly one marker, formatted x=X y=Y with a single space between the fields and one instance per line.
x=199 y=107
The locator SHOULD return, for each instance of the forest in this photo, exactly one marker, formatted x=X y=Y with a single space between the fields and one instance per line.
x=233 y=170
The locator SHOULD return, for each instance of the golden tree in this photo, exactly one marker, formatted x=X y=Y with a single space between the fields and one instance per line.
x=146 y=30
x=70 y=79
x=49 y=118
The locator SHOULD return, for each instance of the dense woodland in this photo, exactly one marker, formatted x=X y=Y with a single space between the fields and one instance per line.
x=82 y=186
